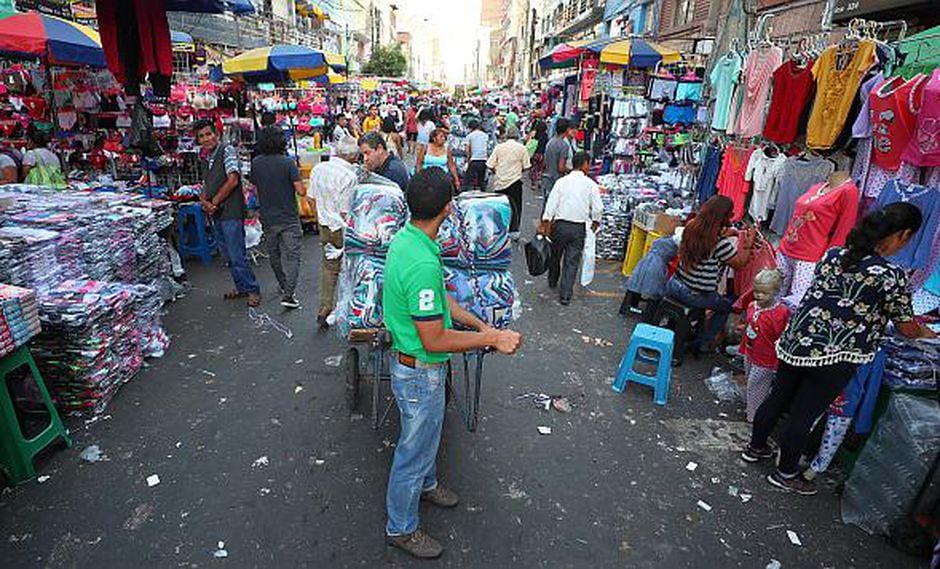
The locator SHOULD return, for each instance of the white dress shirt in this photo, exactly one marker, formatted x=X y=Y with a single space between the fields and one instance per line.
x=331 y=185
x=575 y=198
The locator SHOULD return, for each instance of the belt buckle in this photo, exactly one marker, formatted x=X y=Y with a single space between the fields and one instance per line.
x=407 y=361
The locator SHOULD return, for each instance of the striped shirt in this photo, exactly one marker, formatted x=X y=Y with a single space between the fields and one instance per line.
x=703 y=278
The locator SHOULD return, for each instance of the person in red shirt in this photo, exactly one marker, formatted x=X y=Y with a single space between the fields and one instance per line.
x=765 y=321
x=411 y=129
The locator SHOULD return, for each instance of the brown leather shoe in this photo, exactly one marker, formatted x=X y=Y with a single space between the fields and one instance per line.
x=418 y=543
x=441 y=496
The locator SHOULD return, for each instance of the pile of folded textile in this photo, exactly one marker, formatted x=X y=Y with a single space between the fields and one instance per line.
x=19 y=317
x=90 y=342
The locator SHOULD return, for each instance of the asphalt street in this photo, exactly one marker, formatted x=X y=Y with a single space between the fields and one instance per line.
x=247 y=428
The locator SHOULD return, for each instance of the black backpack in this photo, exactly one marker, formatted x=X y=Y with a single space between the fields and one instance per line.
x=537 y=253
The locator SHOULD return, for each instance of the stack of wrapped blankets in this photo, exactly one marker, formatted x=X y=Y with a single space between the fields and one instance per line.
x=90 y=343
x=475 y=247
x=19 y=317
x=477 y=253
x=376 y=213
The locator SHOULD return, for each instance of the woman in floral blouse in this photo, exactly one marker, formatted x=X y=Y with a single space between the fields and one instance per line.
x=855 y=292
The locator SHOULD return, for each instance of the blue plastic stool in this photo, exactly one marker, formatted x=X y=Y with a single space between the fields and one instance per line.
x=196 y=240
x=648 y=338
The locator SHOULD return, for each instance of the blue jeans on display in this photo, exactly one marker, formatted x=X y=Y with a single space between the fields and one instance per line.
x=419 y=393
x=230 y=235
x=718 y=304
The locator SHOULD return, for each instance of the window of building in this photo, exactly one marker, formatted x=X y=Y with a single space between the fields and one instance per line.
x=685 y=10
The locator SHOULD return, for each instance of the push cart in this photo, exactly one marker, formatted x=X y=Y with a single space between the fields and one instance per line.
x=367 y=356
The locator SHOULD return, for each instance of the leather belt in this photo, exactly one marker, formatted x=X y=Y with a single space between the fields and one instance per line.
x=415 y=363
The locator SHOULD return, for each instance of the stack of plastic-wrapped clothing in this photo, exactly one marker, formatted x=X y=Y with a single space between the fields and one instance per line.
x=90 y=342
x=28 y=257
x=477 y=253
x=624 y=192
x=911 y=364
x=19 y=317
x=376 y=214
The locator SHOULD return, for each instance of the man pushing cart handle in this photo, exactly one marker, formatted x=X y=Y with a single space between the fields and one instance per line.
x=419 y=315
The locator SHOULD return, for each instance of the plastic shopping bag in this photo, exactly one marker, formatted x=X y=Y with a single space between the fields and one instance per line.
x=587 y=256
x=537 y=254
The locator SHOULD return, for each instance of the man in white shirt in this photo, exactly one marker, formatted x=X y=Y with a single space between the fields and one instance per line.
x=331 y=185
x=508 y=160
x=341 y=130
x=574 y=201
x=477 y=142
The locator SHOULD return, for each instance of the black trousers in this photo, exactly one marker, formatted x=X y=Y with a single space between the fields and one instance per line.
x=567 y=244
x=805 y=392
x=514 y=192
x=476 y=175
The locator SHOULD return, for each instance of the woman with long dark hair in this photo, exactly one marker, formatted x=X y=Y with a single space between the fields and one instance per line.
x=855 y=292
x=707 y=249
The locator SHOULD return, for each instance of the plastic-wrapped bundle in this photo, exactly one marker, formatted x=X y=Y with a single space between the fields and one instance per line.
x=19 y=317
x=893 y=464
x=490 y=295
x=359 y=304
x=476 y=234
x=376 y=214
x=153 y=338
x=28 y=257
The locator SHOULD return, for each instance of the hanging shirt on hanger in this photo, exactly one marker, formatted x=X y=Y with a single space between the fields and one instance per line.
x=762 y=170
x=795 y=177
x=755 y=84
x=861 y=128
x=893 y=107
x=917 y=251
x=794 y=87
x=731 y=182
x=924 y=147
x=822 y=219
x=708 y=178
x=839 y=72
x=724 y=77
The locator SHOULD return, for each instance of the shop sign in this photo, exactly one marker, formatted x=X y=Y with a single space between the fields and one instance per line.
x=846 y=9
x=60 y=8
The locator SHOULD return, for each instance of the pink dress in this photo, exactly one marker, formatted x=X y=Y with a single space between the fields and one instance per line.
x=924 y=147
x=758 y=70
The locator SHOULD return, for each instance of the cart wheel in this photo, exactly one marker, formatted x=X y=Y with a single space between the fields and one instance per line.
x=352 y=378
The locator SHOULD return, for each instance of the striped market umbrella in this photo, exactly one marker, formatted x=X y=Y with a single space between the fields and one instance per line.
x=51 y=39
x=182 y=41
x=635 y=52
x=277 y=64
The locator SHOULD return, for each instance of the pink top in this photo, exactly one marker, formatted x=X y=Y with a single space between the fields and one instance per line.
x=893 y=107
x=822 y=219
x=924 y=148
x=731 y=181
x=758 y=70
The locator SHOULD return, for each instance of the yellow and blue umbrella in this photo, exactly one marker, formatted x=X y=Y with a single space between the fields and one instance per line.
x=277 y=64
x=182 y=41
x=52 y=39
x=336 y=61
x=636 y=52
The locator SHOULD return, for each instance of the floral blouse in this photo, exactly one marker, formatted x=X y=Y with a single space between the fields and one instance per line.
x=844 y=313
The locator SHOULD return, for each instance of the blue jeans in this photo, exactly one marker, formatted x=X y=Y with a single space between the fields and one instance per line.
x=230 y=235
x=419 y=393
x=718 y=304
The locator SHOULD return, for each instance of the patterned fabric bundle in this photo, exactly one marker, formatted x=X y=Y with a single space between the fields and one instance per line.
x=375 y=216
x=911 y=365
x=476 y=234
x=490 y=295
x=19 y=317
x=360 y=298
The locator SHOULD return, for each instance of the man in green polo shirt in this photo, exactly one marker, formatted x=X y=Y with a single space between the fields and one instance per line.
x=418 y=313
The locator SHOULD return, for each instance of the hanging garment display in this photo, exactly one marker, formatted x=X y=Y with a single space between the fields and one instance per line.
x=706 y=186
x=893 y=119
x=861 y=128
x=917 y=251
x=763 y=170
x=135 y=36
x=822 y=219
x=793 y=89
x=795 y=177
x=731 y=182
x=755 y=84
x=839 y=72
x=724 y=76
x=924 y=147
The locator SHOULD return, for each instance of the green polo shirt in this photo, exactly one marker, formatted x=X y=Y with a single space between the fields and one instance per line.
x=414 y=290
